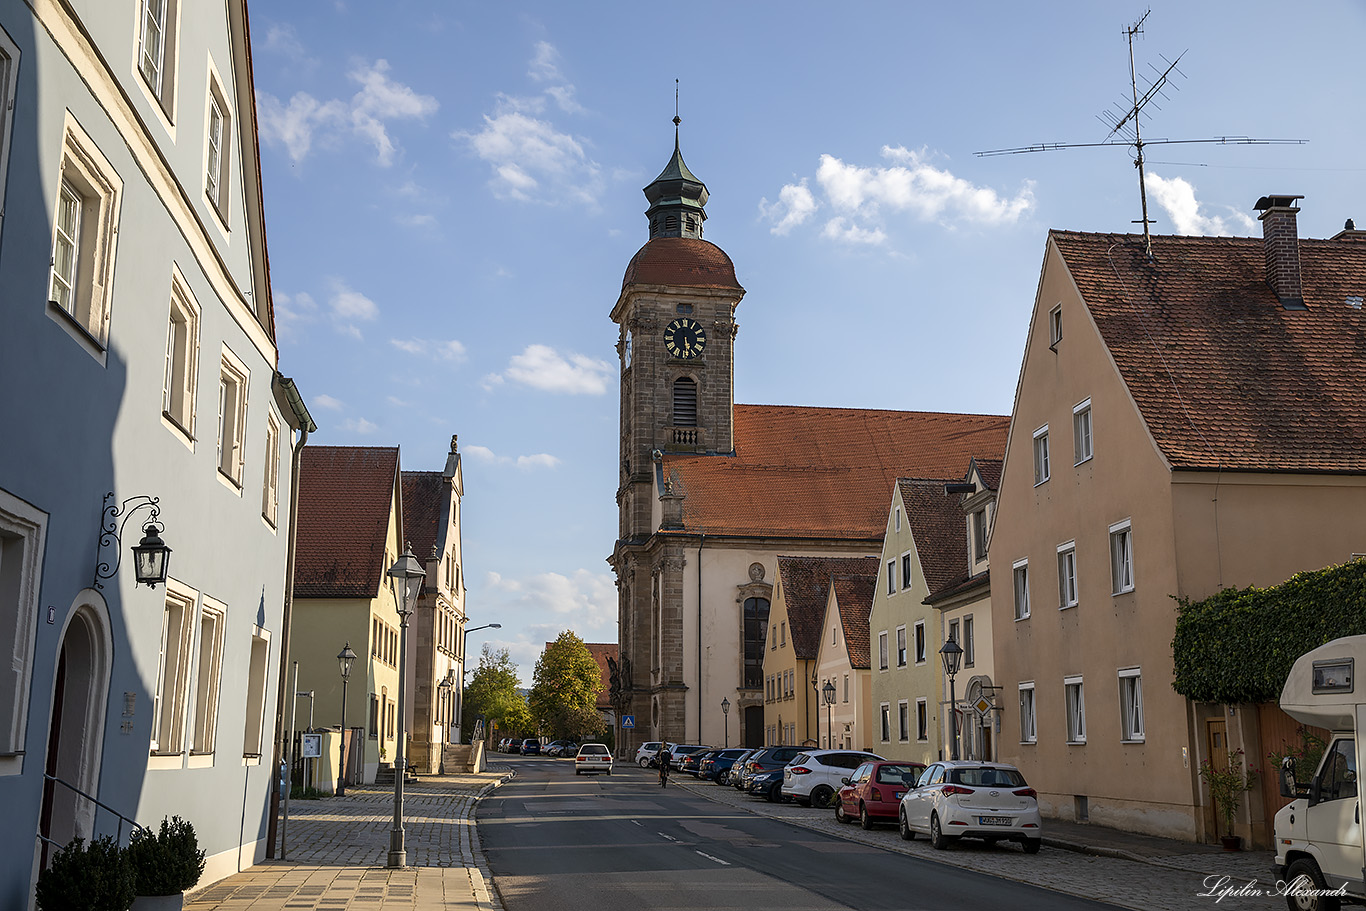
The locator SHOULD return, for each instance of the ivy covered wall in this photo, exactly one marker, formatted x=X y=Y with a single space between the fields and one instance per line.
x=1238 y=645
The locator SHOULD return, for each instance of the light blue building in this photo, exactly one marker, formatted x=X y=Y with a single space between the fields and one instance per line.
x=138 y=359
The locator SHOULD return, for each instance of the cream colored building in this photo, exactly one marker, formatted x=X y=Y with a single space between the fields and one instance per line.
x=1183 y=422
x=842 y=663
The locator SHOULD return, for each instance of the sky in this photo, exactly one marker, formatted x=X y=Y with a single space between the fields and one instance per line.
x=453 y=191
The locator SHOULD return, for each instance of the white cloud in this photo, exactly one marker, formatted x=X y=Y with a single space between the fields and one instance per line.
x=1176 y=196
x=382 y=99
x=542 y=367
x=348 y=307
x=293 y=125
x=327 y=402
x=544 y=66
x=292 y=310
x=794 y=206
x=283 y=40
x=397 y=402
x=451 y=350
x=540 y=460
x=416 y=221
x=841 y=229
x=589 y=598
x=358 y=425
x=526 y=463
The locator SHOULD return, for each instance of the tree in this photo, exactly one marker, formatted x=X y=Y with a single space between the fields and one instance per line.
x=494 y=692
x=564 y=690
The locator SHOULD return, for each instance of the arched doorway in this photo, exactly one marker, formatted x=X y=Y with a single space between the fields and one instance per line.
x=76 y=731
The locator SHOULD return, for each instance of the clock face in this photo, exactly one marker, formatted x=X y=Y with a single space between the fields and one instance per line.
x=685 y=338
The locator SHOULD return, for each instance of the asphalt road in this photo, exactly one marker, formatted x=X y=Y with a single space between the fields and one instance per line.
x=621 y=843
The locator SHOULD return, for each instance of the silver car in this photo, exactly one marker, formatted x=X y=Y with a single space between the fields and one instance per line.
x=987 y=800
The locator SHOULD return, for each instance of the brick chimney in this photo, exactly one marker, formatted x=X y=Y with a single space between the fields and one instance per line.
x=1281 y=239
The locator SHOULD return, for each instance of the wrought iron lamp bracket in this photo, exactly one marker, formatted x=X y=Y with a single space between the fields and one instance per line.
x=111 y=531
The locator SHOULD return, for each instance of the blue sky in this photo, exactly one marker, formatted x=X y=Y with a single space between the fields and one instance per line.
x=453 y=191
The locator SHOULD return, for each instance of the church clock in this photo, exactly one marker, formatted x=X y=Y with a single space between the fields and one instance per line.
x=685 y=338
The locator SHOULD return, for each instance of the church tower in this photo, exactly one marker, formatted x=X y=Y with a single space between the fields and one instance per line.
x=676 y=315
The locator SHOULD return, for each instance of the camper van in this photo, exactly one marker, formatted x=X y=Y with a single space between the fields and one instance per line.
x=1319 y=851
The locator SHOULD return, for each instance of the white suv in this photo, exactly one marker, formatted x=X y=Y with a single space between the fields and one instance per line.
x=593 y=757
x=815 y=777
x=645 y=756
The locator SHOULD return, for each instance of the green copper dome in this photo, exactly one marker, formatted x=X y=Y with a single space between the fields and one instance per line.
x=677 y=199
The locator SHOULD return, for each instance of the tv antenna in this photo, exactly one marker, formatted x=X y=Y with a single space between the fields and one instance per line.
x=1130 y=115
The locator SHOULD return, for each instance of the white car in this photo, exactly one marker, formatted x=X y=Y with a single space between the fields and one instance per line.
x=593 y=757
x=815 y=777
x=645 y=755
x=987 y=800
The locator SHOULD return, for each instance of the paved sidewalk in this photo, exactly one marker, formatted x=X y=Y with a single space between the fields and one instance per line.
x=337 y=848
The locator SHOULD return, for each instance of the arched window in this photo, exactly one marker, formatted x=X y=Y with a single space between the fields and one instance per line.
x=756 y=631
x=685 y=402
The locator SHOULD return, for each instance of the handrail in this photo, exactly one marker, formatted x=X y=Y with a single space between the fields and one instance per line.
x=98 y=803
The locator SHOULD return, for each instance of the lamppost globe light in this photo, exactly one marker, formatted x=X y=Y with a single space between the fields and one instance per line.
x=345 y=660
x=952 y=655
x=829 y=692
x=408 y=572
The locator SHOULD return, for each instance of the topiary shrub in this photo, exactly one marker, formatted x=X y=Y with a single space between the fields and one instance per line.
x=94 y=878
x=165 y=863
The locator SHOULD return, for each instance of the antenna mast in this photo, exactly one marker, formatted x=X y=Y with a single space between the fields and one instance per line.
x=1136 y=29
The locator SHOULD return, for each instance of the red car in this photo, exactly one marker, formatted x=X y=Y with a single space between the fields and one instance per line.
x=873 y=792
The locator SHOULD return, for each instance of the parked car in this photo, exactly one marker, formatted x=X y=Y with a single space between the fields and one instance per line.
x=560 y=748
x=716 y=767
x=679 y=751
x=984 y=800
x=873 y=793
x=531 y=747
x=645 y=755
x=815 y=776
x=765 y=760
x=768 y=785
x=514 y=745
x=691 y=764
x=593 y=757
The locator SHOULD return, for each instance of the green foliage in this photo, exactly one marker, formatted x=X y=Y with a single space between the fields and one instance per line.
x=168 y=862
x=564 y=691
x=94 y=878
x=299 y=792
x=1227 y=784
x=494 y=692
x=1239 y=645
x=1306 y=754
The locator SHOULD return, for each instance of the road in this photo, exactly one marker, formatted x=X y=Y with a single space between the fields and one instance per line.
x=621 y=843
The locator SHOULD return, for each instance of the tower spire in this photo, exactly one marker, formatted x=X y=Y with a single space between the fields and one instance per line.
x=677 y=198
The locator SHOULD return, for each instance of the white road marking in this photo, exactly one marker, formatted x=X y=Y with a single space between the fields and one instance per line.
x=723 y=863
x=669 y=837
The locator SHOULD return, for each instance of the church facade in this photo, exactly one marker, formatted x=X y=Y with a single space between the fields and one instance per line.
x=711 y=492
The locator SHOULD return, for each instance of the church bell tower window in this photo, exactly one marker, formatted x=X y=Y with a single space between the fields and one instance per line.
x=685 y=402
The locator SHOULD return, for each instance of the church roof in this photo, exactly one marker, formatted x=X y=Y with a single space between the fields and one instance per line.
x=424 y=510
x=346 y=494
x=854 y=596
x=1225 y=376
x=823 y=473
x=805 y=583
x=687 y=261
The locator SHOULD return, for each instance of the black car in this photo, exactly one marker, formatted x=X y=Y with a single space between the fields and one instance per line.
x=692 y=763
x=531 y=747
x=765 y=760
x=716 y=765
x=768 y=785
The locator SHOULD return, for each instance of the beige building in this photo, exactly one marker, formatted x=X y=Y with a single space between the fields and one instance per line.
x=842 y=664
x=1182 y=423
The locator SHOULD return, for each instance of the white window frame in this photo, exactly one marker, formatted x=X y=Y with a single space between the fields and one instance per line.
x=1041 y=465
x=885 y=716
x=969 y=642
x=1121 y=558
x=208 y=675
x=1055 y=327
x=903 y=721
x=160 y=83
x=897 y=524
x=922 y=719
x=9 y=78
x=218 y=155
x=906 y=571
x=1074 y=708
x=257 y=684
x=91 y=179
x=170 y=698
x=921 y=643
x=181 y=381
x=901 y=650
x=1131 y=705
x=23 y=542
x=882 y=655
x=1083 y=447
x=891 y=577
x=1067 y=575
x=1029 y=714
x=270 y=488
x=233 y=379
x=1019 y=575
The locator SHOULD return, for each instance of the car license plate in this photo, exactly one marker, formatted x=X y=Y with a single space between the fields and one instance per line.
x=996 y=820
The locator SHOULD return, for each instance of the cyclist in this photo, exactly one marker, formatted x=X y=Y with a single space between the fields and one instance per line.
x=662 y=758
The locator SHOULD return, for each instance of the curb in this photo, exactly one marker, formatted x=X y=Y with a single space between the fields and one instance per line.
x=482 y=883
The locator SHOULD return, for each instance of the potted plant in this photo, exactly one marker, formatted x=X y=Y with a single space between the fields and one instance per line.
x=97 y=877
x=1227 y=785
x=165 y=864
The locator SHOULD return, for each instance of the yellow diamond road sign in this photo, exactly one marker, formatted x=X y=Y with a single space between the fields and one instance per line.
x=982 y=705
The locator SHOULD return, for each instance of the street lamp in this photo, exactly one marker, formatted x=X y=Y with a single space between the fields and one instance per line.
x=952 y=653
x=344 y=660
x=725 y=713
x=408 y=572
x=445 y=690
x=829 y=691
x=464 y=666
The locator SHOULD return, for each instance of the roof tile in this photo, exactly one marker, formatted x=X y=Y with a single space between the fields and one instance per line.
x=806 y=585
x=345 y=497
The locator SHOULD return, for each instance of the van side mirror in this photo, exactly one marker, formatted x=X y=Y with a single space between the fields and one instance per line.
x=1288 y=778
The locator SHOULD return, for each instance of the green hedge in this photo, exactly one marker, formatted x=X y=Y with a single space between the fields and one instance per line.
x=1239 y=645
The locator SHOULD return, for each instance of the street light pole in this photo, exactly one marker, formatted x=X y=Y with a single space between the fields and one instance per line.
x=725 y=713
x=408 y=571
x=829 y=691
x=345 y=660
x=464 y=667
x=952 y=655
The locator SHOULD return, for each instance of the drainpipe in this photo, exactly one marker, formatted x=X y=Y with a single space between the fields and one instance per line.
x=701 y=539
x=306 y=426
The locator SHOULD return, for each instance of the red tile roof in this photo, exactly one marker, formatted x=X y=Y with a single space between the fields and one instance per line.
x=345 y=497
x=688 y=261
x=939 y=527
x=990 y=470
x=424 y=510
x=1224 y=376
x=806 y=584
x=854 y=596
x=824 y=473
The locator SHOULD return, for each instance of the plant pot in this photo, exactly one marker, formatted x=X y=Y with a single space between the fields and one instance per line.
x=159 y=902
x=1232 y=842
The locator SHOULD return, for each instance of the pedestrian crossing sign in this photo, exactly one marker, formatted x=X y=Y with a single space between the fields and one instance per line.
x=628 y=721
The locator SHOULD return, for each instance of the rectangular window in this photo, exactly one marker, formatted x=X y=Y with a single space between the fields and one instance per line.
x=920 y=642
x=1121 y=558
x=891 y=577
x=1021 y=574
x=23 y=542
x=64 y=247
x=1055 y=327
x=882 y=650
x=374 y=717
x=846 y=687
x=905 y=571
x=168 y=705
x=953 y=632
x=210 y=671
x=979 y=535
x=969 y=646
x=903 y=721
x=218 y=150
x=256 y=692
x=922 y=720
x=1029 y=729
x=1067 y=575
x=1041 y=455
x=1081 y=431
x=901 y=646
x=232 y=417
x=1131 y=705
x=1075 y=701
x=391 y=728
x=156 y=50
x=886 y=717
x=898 y=518
x=182 y=357
x=270 y=496
x=9 y=69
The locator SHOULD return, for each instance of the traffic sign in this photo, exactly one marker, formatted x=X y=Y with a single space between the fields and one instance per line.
x=628 y=721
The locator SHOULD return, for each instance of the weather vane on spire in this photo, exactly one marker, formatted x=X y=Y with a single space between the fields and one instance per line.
x=677 y=119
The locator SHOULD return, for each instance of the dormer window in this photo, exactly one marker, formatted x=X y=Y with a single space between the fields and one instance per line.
x=1055 y=327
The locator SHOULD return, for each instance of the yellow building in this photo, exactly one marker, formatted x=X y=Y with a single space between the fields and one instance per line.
x=842 y=663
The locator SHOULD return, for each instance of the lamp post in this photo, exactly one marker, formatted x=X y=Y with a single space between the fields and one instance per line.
x=408 y=572
x=464 y=666
x=444 y=688
x=344 y=660
x=952 y=654
x=829 y=692
x=725 y=714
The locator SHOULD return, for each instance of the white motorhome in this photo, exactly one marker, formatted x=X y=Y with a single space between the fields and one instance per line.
x=1318 y=835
